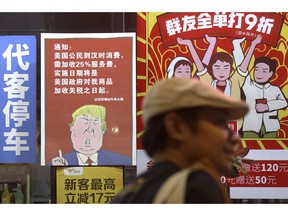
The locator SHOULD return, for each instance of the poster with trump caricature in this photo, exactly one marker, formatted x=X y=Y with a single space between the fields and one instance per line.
x=243 y=54
x=88 y=99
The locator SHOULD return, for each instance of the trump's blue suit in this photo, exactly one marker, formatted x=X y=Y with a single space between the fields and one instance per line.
x=104 y=158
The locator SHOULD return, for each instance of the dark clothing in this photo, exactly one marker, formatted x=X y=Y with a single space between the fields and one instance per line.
x=201 y=186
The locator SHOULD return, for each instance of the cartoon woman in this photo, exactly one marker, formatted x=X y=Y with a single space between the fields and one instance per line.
x=180 y=67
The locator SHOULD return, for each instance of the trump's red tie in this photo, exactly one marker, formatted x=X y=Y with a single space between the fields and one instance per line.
x=89 y=161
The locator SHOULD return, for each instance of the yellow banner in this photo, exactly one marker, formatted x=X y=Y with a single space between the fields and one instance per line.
x=87 y=185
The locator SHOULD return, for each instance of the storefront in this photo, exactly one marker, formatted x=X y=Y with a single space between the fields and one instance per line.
x=111 y=65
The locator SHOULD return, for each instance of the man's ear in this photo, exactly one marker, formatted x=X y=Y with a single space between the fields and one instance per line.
x=175 y=126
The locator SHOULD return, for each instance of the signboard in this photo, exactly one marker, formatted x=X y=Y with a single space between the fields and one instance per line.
x=87 y=185
x=232 y=24
x=18 y=99
x=88 y=100
x=246 y=41
x=266 y=179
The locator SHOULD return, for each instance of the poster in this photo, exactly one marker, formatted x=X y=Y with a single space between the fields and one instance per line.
x=88 y=99
x=87 y=185
x=243 y=41
x=18 y=99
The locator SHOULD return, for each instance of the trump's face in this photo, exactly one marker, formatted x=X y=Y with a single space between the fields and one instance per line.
x=86 y=134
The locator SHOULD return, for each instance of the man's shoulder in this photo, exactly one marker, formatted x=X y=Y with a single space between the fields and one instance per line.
x=147 y=184
x=129 y=193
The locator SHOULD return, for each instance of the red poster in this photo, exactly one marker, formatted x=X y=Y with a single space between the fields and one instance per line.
x=88 y=99
x=246 y=41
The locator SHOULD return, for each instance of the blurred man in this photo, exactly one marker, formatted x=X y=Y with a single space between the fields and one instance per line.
x=186 y=126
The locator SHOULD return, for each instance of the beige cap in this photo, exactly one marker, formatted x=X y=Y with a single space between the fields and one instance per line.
x=176 y=93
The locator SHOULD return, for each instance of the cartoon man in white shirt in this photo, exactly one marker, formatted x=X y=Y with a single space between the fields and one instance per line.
x=264 y=99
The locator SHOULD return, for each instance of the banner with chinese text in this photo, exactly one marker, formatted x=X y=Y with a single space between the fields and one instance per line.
x=87 y=185
x=18 y=99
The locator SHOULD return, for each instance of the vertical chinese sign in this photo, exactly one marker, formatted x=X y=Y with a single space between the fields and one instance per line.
x=88 y=99
x=88 y=185
x=249 y=43
x=18 y=99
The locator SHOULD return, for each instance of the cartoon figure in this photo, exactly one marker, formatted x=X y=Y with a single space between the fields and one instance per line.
x=87 y=131
x=219 y=67
x=264 y=100
x=180 y=67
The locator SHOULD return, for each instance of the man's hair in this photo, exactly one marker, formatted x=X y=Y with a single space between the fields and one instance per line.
x=96 y=111
x=268 y=61
x=221 y=56
x=155 y=136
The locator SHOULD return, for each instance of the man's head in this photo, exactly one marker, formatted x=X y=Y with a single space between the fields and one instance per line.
x=188 y=118
x=264 y=68
x=87 y=128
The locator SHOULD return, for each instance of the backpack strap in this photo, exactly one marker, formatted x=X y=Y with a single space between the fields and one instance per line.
x=173 y=190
